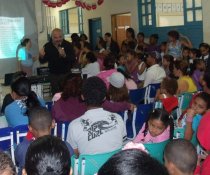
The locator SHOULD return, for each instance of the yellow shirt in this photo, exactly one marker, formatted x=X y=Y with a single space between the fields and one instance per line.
x=186 y=84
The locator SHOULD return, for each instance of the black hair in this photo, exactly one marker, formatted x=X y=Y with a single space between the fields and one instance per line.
x=87 y=45
x=22 y=87
x=163 y=116
x=155 y=36
x=131 y=31
x=75 y=37
x=108 y=34
x=101 y=42
x=182 y=65
x=182 y=154
x=109 y=61
x=48 y=155
x=205 y=97
x=174 y=34
x=40 y=118
x=94 y=91
x=163 y=43
x=206 y=78
x=205 y=45
x=132 y=162
x=196 y=52
x=83 y=36
x=24 y=42
x=185 y=48
x=140 y=34
x=91 y=58
x=170 y=59
x=141 y=56
x=170 y=85
x=6 y=164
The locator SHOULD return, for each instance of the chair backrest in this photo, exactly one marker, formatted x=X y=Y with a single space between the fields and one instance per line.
x=62 y=129
x=151 y=92
x=178 y=133
x=156 y=150
x=141 y=116
x=185 y=100
x=90 y=164
x=7 y=141
x=137 y=96
x=20 y=132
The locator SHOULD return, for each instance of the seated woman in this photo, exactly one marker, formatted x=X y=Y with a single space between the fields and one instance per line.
x=69 y=106
x=117 y=98
x=24 y=99
x=92 y=67
x=185 y=82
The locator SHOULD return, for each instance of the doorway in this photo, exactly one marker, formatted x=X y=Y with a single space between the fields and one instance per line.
x=120 y=22
x=95 y=30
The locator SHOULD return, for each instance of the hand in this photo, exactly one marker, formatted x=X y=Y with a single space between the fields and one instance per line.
x=191 y=112
x=61 y=51
x=42 y=53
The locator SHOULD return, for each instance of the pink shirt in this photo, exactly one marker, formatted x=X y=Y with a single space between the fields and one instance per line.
x=150 y=139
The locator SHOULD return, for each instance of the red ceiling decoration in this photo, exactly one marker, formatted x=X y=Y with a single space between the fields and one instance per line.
x=87 y=5
x=54 y=3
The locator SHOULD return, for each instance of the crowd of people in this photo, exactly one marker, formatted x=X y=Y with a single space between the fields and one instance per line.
x=92 y=100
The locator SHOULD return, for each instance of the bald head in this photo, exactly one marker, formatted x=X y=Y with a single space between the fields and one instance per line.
x=57 y=36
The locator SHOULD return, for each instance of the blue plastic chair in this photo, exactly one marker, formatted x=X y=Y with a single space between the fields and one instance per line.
x=49 y=105
x=90 y=164
x=141 y=116
x=19 y=133
x=62 y=130
x=137 y=96
x=156 y=150
x=151 y=92
x=7 y=141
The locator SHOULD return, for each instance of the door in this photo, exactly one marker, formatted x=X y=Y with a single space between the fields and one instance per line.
x=120 y=23
x=95 y=30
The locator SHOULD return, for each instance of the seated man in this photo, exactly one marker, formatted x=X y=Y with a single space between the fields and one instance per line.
x=97 y=131
x=40 y=124
x=180 y=157
x=48 y=155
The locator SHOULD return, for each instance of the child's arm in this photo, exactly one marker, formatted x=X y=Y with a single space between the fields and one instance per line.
x=189 y=131
x=143 y=67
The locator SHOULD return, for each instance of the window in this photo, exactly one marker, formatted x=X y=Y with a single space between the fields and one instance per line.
x=169 y=13
x=146 y=9
x=193 y=10
x=71 y=21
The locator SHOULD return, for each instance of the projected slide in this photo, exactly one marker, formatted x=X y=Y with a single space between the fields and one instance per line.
x=11 y=32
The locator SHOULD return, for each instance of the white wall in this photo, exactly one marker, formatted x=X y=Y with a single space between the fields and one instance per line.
x=110 y=7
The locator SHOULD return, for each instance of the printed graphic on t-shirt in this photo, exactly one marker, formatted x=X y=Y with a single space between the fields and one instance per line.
x=96 y=129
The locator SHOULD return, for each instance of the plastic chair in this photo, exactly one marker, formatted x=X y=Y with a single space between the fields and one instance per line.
x=151 y=92
x=178 y=133
x=140 y=117
x=49 y=105
x=137 y=96
x=62 y=130
x=156 y=150
x=7 y=141
x=20 y=132
x=90 y=164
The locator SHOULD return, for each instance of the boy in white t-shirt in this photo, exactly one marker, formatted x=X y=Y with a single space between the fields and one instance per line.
x=97 y=131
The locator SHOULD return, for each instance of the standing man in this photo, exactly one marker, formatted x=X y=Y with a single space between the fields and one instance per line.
x=60 y=56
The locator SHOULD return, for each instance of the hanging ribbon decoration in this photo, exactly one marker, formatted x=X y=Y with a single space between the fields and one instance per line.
x=88 y=6
x=53 y=3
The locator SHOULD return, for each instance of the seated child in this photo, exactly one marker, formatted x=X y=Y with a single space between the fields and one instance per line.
x=132 y=162
x=6 y=165
x=198 y=72
x=141 y=67
x=167 y=64
x=180 y=157
x=166 y=94
x=47 y=155
x=158 y=128
x=121 y=61
x=40 y=124
x=194 y=114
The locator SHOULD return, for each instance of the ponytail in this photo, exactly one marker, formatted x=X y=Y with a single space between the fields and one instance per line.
x=32 y=101
x=171 y=124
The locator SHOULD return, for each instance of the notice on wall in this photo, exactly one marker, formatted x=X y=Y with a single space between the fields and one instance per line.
x=11 y=33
